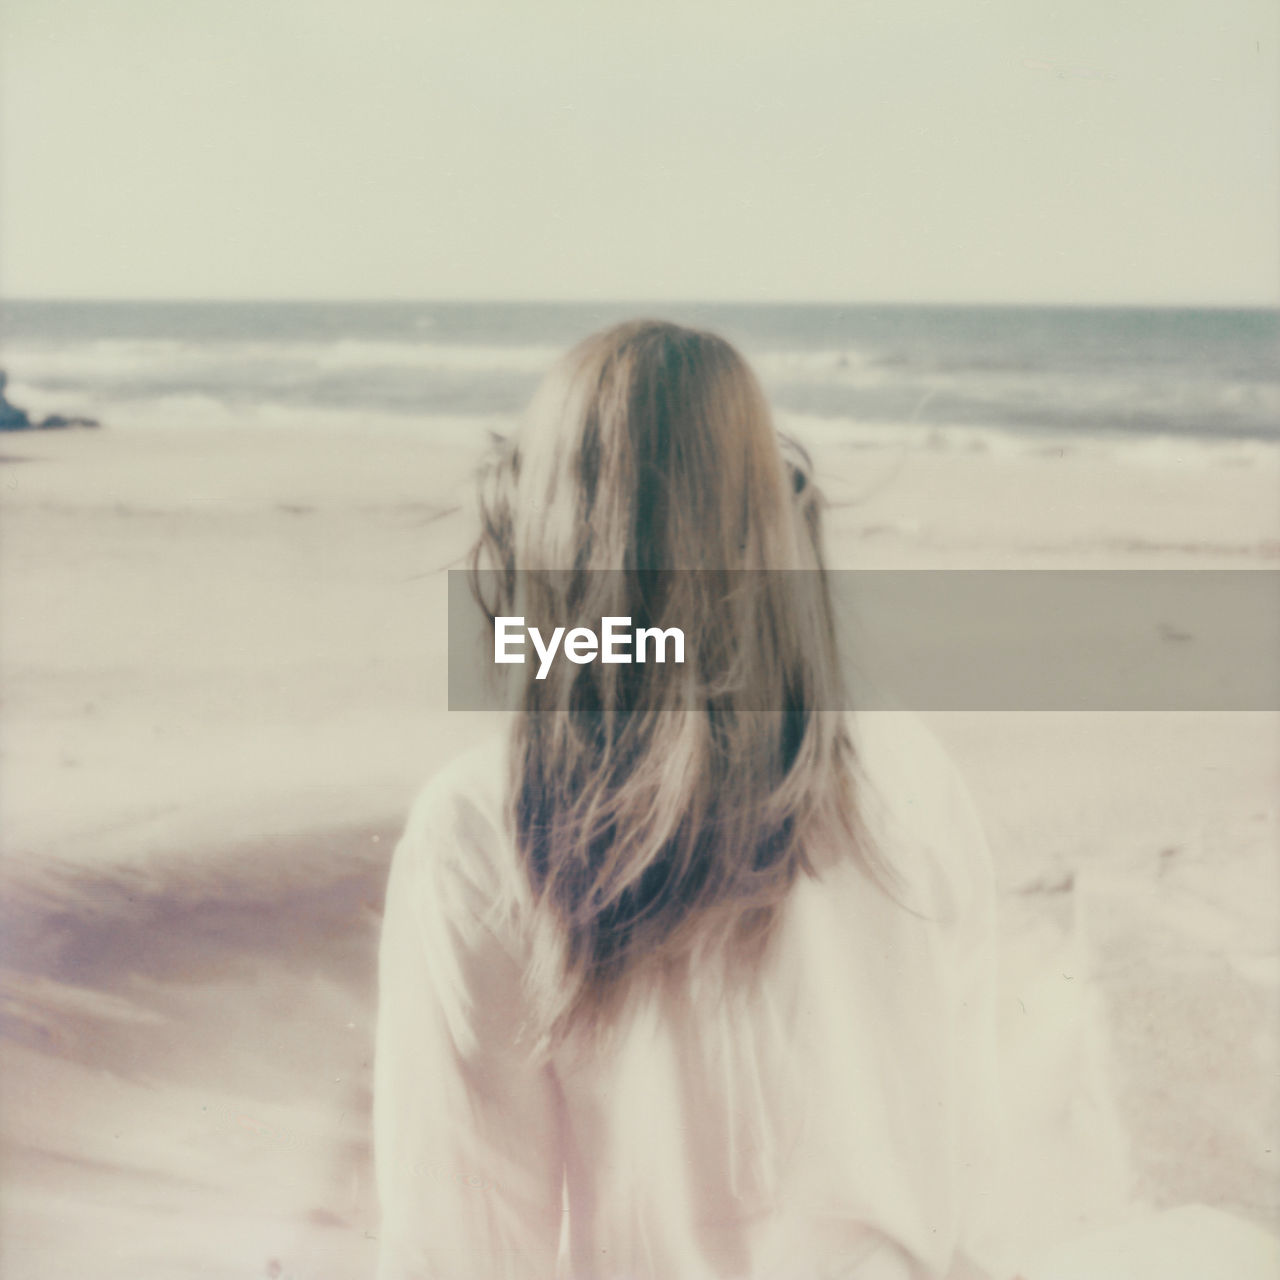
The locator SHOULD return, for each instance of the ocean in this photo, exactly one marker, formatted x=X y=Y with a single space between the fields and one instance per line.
x=1023 y=370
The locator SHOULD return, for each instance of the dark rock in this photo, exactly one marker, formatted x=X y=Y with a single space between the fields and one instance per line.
x=14 y=419
x=56 y=421
x=11 y=418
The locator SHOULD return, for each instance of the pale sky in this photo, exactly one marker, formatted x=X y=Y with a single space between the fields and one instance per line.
x=1091 y=151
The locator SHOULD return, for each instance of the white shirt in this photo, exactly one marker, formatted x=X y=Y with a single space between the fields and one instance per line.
x=837 y=1123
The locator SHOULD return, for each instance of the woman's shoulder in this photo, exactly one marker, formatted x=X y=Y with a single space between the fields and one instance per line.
x=918 y=809
x=470 y=787
x=457 y=836
x=901 y=753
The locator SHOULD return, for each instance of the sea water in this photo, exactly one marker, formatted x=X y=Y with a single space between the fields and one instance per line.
x=1029 y=371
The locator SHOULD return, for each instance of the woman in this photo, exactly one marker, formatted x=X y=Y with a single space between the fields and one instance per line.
x=692 y=977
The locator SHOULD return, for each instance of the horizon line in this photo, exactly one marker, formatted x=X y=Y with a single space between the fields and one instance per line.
x=860 y=304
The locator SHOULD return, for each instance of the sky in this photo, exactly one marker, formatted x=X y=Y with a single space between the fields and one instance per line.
x=1026 y=151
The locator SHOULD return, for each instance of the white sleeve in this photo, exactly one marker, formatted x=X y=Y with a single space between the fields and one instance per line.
x=467 y=1128
x=981 y=1250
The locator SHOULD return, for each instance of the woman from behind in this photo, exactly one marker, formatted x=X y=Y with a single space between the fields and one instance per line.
x=690 y=977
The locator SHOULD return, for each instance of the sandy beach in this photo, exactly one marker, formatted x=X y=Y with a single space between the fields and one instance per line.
x=222 y=660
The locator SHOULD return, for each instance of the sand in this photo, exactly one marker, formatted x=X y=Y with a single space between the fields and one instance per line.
x=222 y=660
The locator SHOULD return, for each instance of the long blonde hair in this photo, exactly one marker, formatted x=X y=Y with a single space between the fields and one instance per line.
x=662 y=812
